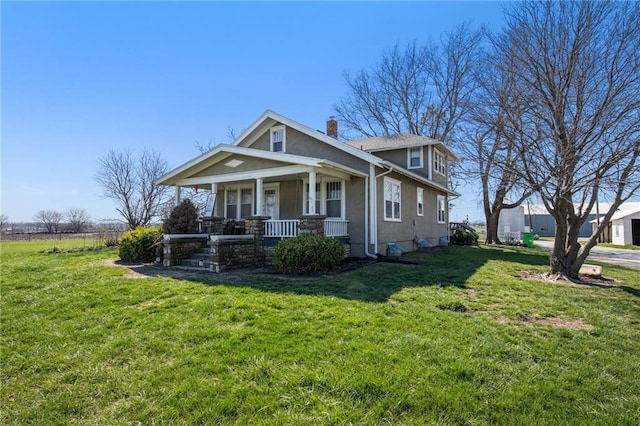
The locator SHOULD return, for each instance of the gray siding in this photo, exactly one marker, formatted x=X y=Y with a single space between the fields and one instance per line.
x=411 y=226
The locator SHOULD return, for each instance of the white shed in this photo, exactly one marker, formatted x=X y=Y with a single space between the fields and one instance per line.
x=625 y=227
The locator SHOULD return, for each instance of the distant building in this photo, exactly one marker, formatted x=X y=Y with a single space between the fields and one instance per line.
x=511 y=224
x=624 y=226
x=541 y=222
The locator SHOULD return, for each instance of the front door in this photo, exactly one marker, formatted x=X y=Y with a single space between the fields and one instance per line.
x=271 y=204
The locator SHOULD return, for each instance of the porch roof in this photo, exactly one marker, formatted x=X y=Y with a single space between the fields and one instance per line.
x=183 y=175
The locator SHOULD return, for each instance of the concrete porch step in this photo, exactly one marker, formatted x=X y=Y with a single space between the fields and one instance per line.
x=191 y=268
x=195 y=262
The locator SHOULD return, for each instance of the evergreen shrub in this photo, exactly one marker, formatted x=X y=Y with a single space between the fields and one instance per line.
x=183 y=219
x=308 y=254
x=464 y=237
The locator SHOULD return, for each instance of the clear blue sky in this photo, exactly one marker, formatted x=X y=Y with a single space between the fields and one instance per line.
x=80 y=78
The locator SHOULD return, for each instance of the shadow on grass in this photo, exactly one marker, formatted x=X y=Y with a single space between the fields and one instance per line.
x=377 y=281
x=632 y=291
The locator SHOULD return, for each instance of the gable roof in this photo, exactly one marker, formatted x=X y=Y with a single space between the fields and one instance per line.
x=267 y=120
x=402 y=140
x=222 y=151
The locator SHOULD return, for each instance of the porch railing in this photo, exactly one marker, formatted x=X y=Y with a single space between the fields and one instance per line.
x=289 y=228
x=281 y=228
x=336 y=228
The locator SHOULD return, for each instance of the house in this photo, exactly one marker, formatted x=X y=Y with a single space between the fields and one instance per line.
x=286 y=176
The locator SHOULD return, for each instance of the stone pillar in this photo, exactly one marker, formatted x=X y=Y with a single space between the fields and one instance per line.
x=255 y=225
x=213 y=225
x=312 y=224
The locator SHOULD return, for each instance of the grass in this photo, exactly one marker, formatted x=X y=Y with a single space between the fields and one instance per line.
x=457 y=339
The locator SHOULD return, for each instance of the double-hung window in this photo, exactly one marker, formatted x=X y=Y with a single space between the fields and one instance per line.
x=439 y=163
x=329 y=201
x=420 y=201
x=441 y=209
x=334 y=199
x=238 y=203
x=318 y=198
x=414 y=158
x=278 y=139
x=392 y=199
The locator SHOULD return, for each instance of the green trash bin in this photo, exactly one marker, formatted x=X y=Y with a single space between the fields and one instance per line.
x=527 y=239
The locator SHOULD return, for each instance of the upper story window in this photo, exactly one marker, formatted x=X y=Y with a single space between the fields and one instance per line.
x=439 y=162
x=278 y=139
x=392 y=199
x=414 y=158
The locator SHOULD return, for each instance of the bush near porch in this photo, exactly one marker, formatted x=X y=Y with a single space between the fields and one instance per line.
x=308 y=254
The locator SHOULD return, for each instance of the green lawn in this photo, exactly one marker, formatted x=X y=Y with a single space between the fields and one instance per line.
x=457 y=339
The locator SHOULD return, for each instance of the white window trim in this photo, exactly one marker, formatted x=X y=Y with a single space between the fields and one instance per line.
x=420 y=201
x=444 y=209
x=421 y=150
x=239 y=188
x=440 y=166
x=284 y=137
x=384 y=204
x=272 y=186
x=322 y=182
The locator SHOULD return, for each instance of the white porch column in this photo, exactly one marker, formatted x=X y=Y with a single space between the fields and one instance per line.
x=259 y=194
x=177 y=196
x=311 y=206
x=214 y=196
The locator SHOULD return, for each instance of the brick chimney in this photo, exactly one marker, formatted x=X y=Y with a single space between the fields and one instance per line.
x=332 y=127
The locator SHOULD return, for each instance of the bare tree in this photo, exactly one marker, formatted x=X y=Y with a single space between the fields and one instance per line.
x=422 y=90
x=50 y=219
x=130 y=183
x=78 y=219
x=4 y=222
x=488 y=142
x=577 y=70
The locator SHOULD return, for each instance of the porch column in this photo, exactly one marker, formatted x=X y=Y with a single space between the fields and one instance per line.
x=214 y=196
x=177 y=196
x=259 y=193
x=311 y=206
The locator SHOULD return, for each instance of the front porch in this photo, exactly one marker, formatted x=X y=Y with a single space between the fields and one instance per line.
x=251 y=243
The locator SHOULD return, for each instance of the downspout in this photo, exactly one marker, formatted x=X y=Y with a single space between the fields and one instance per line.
x=366 y=219
x=371 y=198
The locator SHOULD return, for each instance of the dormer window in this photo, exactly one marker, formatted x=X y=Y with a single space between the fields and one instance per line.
x=278 y=139
x=414 y=158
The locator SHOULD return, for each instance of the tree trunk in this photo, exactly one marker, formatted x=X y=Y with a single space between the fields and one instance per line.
x=492 y=228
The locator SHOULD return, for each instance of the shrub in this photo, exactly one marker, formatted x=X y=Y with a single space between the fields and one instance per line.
x=139 y=245
x=183 y=219
x=308 y=254
x=464 y=237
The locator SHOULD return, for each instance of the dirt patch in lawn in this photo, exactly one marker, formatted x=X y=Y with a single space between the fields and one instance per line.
x=530 y=320
x=585 y=280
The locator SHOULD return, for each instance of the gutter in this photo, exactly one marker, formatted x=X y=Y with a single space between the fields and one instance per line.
x=371 y=198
